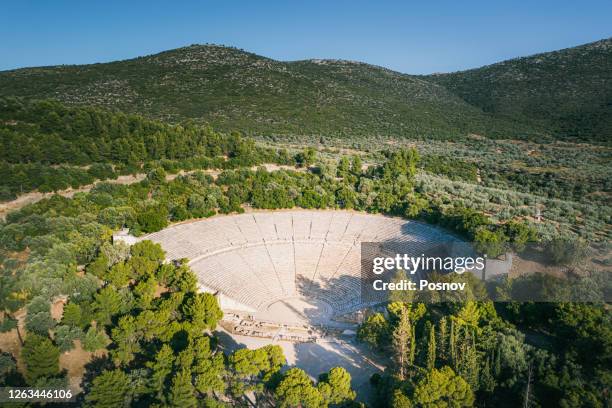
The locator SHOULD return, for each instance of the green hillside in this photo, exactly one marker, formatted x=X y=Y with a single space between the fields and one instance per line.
x=232 y=89
x=568 y=92
x=47 y=146
x=565 y=94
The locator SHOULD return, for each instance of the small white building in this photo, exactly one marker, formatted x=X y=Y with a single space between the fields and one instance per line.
x=125 y=236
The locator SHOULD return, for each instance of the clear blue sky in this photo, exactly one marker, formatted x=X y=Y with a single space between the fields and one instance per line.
x=408 y=36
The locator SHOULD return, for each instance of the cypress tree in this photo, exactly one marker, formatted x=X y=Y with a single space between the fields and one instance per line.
x=412 y=345
x=356 y=165
x=431 y=349
x=497 y=365
x=402 y=343
x=462 y=343
x=461 y=350
x=469 y=360
x=443 y=340
x=487 y=382
x=451 y=345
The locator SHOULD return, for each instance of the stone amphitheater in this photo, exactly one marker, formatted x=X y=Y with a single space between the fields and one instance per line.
x=288 y=267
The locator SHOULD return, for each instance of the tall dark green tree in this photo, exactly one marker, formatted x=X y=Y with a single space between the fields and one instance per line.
x=442 y=342
x=431 y=348
x=202 y=309
x=109 y=390
x=182 y=391
x=41 y=358
x=107 y=304
x=161 y=368
x=401 y=341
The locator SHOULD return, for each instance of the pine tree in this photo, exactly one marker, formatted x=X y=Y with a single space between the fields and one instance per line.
x=402 y=343
x=182 y=392
x=210 y=374
x=335 y=387
x=161 y=368
x=374 y=331
x=202 y=309
x=110 y=389
x=443 y=388
x=107 y=304
x=296 y=390
x=144 y=292
x=400 y=400
x=343 y=167
x=469 y=314
x=72 y=315
x=41 y=357
x=95 y=339
x=64 y=337
x=431 y=349
x=126 y=335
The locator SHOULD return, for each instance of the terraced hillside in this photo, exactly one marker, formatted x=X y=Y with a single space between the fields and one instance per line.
x=568 y=92
x=233 y=89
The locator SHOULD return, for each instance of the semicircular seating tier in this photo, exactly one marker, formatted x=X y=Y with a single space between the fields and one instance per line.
x=256 y=259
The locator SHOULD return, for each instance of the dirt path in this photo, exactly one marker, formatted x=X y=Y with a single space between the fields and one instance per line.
x=35 y=196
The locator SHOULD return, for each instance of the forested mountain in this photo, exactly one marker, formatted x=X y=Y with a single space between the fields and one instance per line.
x=568 y=92
x=560 y=94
